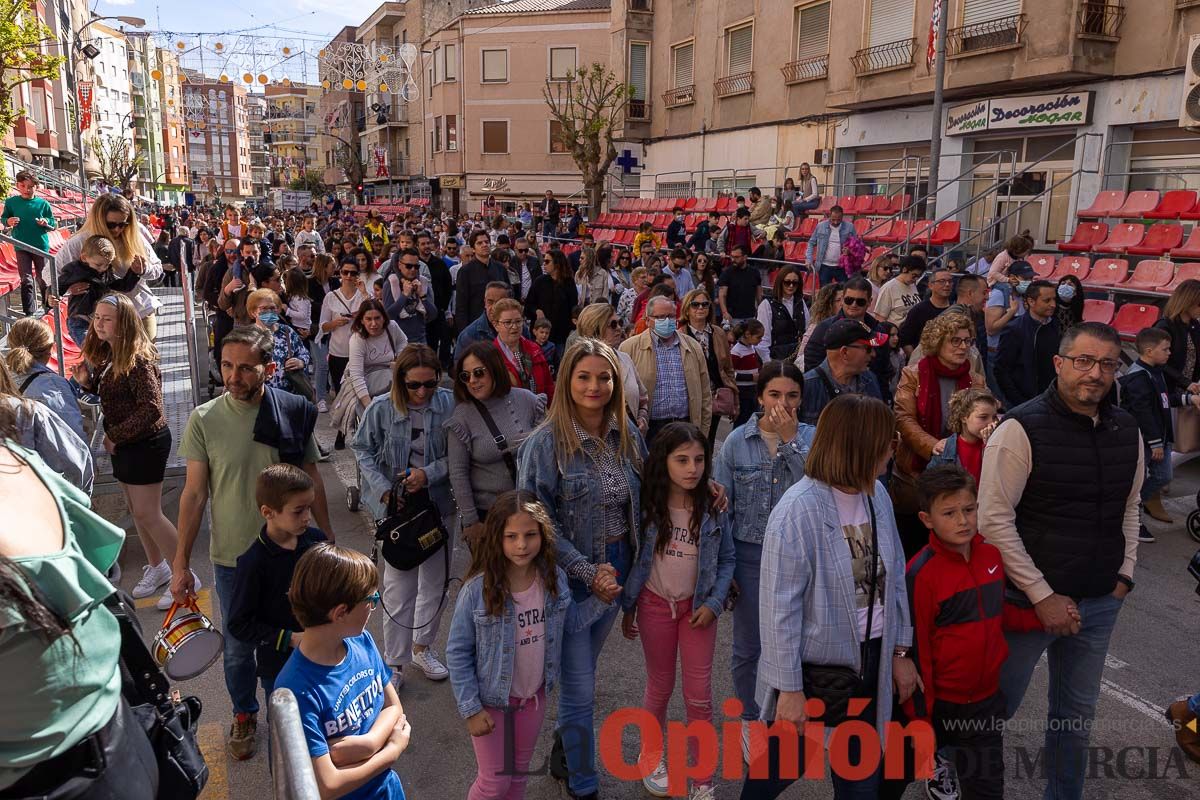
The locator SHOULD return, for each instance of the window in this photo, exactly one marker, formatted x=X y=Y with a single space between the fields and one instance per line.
x=681 y=65
x=639 y=58
x=812 y=31
x=450 y=62
x=562 y=63
x=495 y=136
x=891 y=21
x=556 y=144
x=495 y=66
x=451 y=133
x=437 y=134
x=439 y=65
x=739 y=50
x=977 y=11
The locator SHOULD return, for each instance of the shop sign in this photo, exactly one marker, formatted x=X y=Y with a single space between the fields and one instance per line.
x=495 y=184
x=1021 y=113
x=451 y=181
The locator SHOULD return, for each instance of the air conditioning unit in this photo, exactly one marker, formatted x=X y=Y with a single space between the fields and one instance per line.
x=823 y=157
x=1189 y=112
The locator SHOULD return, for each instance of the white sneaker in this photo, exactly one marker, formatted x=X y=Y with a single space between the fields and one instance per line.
x=152 y=578
x=428 y=662
x=656 y=782
x=943 y=784
x=322 y=407
x=397 y=679
x=165 y=601
x=706 y=791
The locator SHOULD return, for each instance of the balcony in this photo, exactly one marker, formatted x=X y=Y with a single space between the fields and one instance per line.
x=639 y=109
x=993 y=34
x=732 y=85
x=806 y=69
x=884 y=57
x=679 y=96
x=1100 y=21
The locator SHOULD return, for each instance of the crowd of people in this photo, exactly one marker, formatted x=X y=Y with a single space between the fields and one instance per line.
x=930 y=477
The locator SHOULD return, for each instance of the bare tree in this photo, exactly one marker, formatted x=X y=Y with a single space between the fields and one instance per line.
x=119 y=162
x=588 y=106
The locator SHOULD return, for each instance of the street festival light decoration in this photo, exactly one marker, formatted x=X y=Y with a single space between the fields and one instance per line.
x=373 y=67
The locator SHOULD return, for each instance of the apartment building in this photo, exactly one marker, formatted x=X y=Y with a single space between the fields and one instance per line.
x=218 y=139
x=174 y=180
x=260 y=156
x=112 y=107
x=290 y=129
x=488 y=129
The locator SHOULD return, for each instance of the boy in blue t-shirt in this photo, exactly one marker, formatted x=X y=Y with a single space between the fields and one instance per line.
x=352 y=718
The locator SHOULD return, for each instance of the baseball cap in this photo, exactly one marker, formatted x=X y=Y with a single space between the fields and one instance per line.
x=1021 y=268
x=846 y=332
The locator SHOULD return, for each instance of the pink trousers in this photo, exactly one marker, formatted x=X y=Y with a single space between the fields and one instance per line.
x=667 y=637
x=525 y=722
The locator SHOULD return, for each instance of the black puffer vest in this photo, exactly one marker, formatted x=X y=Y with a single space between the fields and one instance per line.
x=1072 y=511
x=785 y=329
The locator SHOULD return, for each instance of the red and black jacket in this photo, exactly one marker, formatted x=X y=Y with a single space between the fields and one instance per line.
x=957 y=609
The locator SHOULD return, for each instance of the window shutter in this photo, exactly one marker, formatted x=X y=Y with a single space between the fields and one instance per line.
x=976 y=11
x=450 y=53
x=741 y=50
x=495 y=65
x=813 y=36
x=562 y=62
x=637 y=69
x=495 y=137
x=891 y=21
x=683 y=66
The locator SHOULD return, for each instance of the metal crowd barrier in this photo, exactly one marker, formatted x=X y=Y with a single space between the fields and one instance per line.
x=292 y=775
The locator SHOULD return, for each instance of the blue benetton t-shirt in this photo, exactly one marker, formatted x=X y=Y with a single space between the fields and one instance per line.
x=342 y=701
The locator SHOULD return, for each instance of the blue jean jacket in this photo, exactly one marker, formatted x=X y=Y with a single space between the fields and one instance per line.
x=381 y=446
x=481 y=648
x=818 y=243
x=715 y=570
x=949 y=454
x=753 y=479
x=573 y=495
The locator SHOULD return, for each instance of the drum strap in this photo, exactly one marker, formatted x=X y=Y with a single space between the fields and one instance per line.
x=147 y=678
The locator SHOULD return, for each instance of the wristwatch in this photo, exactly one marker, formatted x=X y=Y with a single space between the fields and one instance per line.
x=1127 y=581
x=900 y=652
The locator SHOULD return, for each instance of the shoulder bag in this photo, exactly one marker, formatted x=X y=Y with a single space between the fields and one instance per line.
x=412 y=531
x=297 y=380
x=837 y=685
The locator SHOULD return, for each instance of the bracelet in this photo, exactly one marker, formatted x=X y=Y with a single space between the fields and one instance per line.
x=900 y=652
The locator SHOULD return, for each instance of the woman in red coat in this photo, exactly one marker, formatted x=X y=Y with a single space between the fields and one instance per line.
x=526 y=363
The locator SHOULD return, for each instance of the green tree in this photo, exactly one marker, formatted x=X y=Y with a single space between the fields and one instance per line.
x=119 y=163
x=310 y=181
x=23 y=38
x=588 y=106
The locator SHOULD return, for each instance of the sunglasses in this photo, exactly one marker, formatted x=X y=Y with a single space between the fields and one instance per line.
x=413 y=386
x=347 y=274
x=855 y=301
x=791 y=283
x=701 y=304
x=112 y=226
x=614 y=325
x=406 y=265
x=232 y=252
x=372 y=600
x=465 y=376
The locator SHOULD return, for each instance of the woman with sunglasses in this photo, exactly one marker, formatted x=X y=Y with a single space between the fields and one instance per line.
x=783 y=314
x=696 y=319
x=552 y=295
x=599 y=321
x=111 y=216
x=401 y=442
x=337 y=313
x=481 y=468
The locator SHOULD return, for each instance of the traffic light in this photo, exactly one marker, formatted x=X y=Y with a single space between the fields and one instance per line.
x=359 y=188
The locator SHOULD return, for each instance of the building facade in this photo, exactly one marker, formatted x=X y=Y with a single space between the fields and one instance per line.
x=260 y=156
x=290 y=129
x=112 y=105
x=173 y=181
x=338 y=110
x=218 y=139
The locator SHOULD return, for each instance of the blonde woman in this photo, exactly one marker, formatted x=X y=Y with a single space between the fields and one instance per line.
x=111 y=216
x=584 y=464
x=825 y=305
x=595 y=284
x=880 y=272
x=30 y=345
x=599 y=321
x=122 y=367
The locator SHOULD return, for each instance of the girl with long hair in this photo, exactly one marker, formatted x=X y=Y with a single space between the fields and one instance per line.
x=323 y=281
x=677 y=588
x=30 y=345
x=121 y=366
x=552 y=295
x=594 y=283
x=826 y=303
x=506 y=641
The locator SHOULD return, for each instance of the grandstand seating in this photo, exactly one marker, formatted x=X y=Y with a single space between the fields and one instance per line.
x=1079 y=266
x=1190 y=248
x=1173 y=204
x=1161 y=237
x=1137 y=205
x=1043 y=264
x=1105 y=205
x=1098 y=310
x=1108 y=272
x=1149 y=275
x=1122 y=237
x=1184 y=272
x=1132 y=317
x=1085 y=237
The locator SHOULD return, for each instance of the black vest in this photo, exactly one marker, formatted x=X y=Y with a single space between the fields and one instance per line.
x=785 y=332
x=1072 y=510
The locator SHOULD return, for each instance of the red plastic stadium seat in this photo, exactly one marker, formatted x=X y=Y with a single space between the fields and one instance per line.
x=690 y=204
x=878 y=229
x=899 y=202
x=846 y=201
x=1043 y=264
x=1108 y=272
x=1085 y=237
x=1173 y=204
x=881 y=205
x=920 y=231
x=1185 y=272
x=1122 y=237
x=810 y=283
x=705 y=205
x=1132 y=317
x=827 y=202
x=1098 y=311
x=1149 y=275
x=896 y=234
x=794 y=251
x=946 y=232
x=1191 y=248
x=726 y=205
x=876 y=252
x=1079 y=266
x=1161 y=237
x=861 y=204
x=1138 y=204
x=1105 y=205
x=861 y=226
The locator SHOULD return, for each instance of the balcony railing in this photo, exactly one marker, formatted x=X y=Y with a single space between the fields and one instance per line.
x=679 y=96
x=882 y=57
x=639 y=109
x=735 y=84
x=988 y=35
x=1100 y=20
x=806 y=69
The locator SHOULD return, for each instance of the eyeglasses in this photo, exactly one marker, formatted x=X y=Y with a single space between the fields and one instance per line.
x=413 y=386
x=510 y=323
x=466 y=375
x=232 y=252
x=112 y=226
x=372 y=600
x=791 y=283
x=614 y=325
x=522 y=251
x=407 y=265
x=1085 y=363
x=348 y=274
x=855 y=301
x=700 y=304
x=959 y=341
x=941 y=281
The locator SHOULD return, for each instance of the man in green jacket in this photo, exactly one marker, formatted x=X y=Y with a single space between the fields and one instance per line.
x=29 y=219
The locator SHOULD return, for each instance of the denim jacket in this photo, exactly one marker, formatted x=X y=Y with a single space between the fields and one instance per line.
x=572 y=493
x=381 y=447
x=949 y=454
x=818 y=243
x=481 y=649
x=715 y=570
x=754 y=480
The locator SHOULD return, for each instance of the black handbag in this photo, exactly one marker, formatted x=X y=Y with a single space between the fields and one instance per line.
x=170 y=724
x=835 y=685
x=412 y=531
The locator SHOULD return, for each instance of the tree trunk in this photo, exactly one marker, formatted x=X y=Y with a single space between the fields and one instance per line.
x=595 y=195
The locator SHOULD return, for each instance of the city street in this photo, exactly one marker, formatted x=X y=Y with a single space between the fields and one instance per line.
x=1151 y=662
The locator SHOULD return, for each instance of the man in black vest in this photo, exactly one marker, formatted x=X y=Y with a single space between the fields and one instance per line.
x=1060 y=500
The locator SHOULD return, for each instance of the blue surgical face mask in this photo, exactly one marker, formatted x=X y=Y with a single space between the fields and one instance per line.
x=1023 y=287
x=1066 y=292
x=663 y=328
x=269 y=318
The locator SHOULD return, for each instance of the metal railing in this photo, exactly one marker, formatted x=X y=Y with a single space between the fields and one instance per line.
x=806 y=69
x=55 y=312
x=987 y=35
x=679 y=96
x=735 y=84
x=292 y=775
x=891 y=55
x=1100 y=20
x=639 y=109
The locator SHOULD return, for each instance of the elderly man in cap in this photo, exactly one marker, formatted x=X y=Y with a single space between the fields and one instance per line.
x=849 y=347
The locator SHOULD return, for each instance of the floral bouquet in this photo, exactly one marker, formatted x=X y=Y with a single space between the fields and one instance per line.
x=854 y=253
